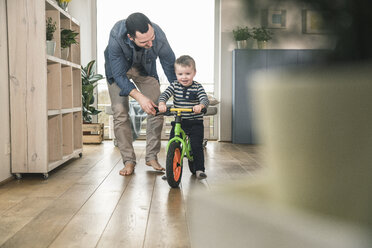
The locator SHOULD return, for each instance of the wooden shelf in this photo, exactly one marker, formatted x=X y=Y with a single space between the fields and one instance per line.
x=53 y=60
x=78 y=131
x=48 y=109
x=66 y=87
x=54 y=86
x=55 y=164
x=51 y=5
x=77 y=91
x=55 y=138
x=67 y=126
x=63 y=111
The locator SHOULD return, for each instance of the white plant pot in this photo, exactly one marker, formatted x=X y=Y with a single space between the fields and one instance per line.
x=64 y=53
x=50 y=47
x=242 y=44
x=261 y=44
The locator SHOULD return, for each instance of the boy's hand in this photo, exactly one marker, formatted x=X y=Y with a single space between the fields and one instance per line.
x=197 y=108
x=162 y=107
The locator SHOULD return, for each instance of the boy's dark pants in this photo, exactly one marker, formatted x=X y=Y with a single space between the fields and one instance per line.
x=195 y=130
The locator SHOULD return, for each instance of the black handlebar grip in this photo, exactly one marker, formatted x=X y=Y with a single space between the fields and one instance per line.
x=167 y=113
x=204 y=110
x=157 y=111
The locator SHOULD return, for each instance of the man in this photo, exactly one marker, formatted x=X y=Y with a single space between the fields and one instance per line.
x=134 y=45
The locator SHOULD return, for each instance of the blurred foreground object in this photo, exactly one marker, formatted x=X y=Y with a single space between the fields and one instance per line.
x=316 y=129
x=244 y=215
x=315 y=126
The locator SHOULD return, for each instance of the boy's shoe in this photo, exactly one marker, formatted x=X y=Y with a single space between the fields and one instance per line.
x=201 y=174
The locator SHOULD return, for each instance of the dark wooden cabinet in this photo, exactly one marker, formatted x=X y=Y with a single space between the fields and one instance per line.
x=245 y=63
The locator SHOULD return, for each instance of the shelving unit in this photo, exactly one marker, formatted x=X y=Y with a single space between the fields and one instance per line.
x=45 y=90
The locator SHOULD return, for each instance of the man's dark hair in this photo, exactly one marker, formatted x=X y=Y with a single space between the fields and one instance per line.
x=137 y=22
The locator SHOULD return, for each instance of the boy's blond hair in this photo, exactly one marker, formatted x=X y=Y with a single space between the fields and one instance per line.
x=185 y=60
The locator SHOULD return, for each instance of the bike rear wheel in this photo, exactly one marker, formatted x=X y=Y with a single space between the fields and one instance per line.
x=173 y=164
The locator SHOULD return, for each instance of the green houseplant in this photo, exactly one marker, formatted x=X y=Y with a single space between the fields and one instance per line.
x=89 y=83
x=241 y=36
x=262 y=35
x=50 y=29
x=68 y=37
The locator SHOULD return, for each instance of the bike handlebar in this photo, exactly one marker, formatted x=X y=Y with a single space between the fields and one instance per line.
x=171 y=110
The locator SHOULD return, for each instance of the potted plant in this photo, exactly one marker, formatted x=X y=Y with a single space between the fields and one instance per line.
x=262 y=35
x=89 y=83
x=68 y=37
x=92 y=132
x=50 y=29
x=241 y=36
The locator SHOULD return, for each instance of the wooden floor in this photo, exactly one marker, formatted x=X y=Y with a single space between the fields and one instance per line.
x=86 y=203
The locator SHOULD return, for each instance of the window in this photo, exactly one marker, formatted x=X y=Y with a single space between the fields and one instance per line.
x=189 y=26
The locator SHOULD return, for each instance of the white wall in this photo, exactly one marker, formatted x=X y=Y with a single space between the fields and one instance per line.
x=4 y=97
x=85 y=12
x=235 y=13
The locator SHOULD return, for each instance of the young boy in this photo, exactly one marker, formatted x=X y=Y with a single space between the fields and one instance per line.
x=188 y=93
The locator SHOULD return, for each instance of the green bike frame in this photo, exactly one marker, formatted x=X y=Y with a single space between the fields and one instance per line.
x=180 y=136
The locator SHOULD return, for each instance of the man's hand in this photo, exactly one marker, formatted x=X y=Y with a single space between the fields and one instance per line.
x=197 y=108
x=146 y=104
x=162 y=107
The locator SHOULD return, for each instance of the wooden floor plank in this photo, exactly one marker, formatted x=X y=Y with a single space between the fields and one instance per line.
x=43 y=228
x=16 y=201
x=167 y=225
x=32 y=185
x=17 y=217
x=85 y=228
x=86 y=203
x=127 y=225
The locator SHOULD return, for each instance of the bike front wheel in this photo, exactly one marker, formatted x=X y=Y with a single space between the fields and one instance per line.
x=174 y=165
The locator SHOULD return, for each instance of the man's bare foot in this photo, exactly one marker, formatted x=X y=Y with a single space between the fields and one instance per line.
x=154 y=164
x=127 y=170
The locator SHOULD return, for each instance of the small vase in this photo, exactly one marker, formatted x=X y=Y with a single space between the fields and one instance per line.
x=261 y=44
x=63 y=5
x=242 y=44
x=51 y=47
x=64 y=53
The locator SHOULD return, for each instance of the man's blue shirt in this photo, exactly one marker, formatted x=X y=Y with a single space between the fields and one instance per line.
x=119 y=57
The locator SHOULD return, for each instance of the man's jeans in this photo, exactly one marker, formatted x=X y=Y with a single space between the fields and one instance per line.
x=149 y=87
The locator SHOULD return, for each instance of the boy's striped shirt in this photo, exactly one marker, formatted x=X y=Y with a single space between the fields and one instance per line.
x=186 y=97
